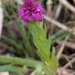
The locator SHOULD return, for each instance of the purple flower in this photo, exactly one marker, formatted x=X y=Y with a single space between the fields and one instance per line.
x=31 y=10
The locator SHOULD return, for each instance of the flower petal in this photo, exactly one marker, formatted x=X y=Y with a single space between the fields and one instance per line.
x=37 y=17
x=26 y=19
x=31 y=10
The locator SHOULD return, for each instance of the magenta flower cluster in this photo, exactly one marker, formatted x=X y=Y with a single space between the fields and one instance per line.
x=31 y=10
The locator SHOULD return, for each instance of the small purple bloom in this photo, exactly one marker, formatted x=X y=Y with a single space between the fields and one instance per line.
x=31 y=10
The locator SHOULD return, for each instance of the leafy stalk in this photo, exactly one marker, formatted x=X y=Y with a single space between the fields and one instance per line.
x=43 y=46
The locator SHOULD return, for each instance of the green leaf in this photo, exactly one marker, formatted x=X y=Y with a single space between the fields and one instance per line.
x=46 y=47
x=40 y=24
x=12 y=68
x=60 y=35
x=12 y=41
x=42 y=56
x=36 y=42
x=67 y=59
x=40 y=33
x=20 y=61
x=33 y=23
x=54 y=61
x=54 y=64
x=39 y=70
x=48 y=70
x=53 y=53
x=36 y=28
x=7 y=47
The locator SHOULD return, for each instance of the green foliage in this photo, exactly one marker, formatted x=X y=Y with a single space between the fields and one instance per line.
x=11 y=68
x=43 y=45
x=20 y=61
x=60 y=35
x=20 y=46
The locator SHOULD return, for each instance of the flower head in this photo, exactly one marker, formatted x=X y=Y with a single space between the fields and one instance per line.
x=31 y=10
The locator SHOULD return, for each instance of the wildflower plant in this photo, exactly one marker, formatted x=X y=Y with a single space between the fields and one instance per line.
x=32 y=12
